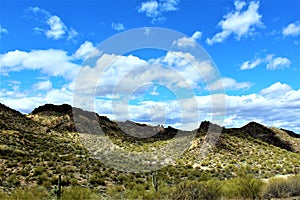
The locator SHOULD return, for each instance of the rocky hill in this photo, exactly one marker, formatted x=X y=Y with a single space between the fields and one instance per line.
x=36 y=148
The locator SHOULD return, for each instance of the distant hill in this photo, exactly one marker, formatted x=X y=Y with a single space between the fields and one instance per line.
x=35 y=148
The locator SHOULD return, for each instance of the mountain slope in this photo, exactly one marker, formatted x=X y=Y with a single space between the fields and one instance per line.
x=36 y=148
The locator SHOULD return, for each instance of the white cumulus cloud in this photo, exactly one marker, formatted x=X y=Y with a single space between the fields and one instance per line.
x=278 y=63
x=276 y=105
x=43 y=85
x=293 y=29
x=239 y=22
x=188 y=41
x=86 y=50
x=276 y=89
x=251 y=64
x=271 y=61
x=52 y=62
x=55 y=29
x=156 y=8
x=228 y=84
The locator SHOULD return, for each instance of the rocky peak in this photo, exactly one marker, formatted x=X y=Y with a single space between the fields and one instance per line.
x=51 y=108
x=207 y=126
x=291 y=133
x=257 y=130
x=265 y=134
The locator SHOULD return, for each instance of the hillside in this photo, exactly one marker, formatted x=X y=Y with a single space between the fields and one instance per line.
x=37 y=147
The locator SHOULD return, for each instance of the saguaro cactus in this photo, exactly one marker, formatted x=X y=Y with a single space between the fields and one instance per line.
x=58 y=190
x=154 y=181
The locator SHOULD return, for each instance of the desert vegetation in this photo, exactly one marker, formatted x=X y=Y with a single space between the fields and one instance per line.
x=37 y=149
x=244 y=187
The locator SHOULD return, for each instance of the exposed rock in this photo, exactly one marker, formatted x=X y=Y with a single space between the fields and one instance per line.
x=291 y=133
x=265 y=134
x=50 y=109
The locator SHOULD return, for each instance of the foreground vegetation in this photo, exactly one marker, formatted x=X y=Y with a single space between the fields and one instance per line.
x=38 y=148
x=244 y=187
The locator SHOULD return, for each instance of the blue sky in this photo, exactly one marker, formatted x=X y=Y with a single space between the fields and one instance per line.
x=254 y=45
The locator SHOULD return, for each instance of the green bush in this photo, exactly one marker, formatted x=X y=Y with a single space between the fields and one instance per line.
x=281 y=188
x=96 y=180
x=79 y=193
x=213 y=189
x=36 y=193
x=115 y=192
x=244 y=187
x=4 y=195
x=38 y=171
x=189 y=190
x=42 y=178
x=294 y=183
x=13 y=180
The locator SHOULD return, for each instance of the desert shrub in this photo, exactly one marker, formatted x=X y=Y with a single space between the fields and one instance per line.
x=139 y=191
x=276 y=188
x=13 y=180
x=213 y=189
x=39 y=170
x=96 y=179
x=42 y=178
x=249 y=187
x=244 y=187
x=280 y=187
x=2 y=172
x=65 y=181
x=197 y=190
x=24 y=172
x=74 y=181
x=79 y=193
x=3 y=195
x=38 y=193
x=116 y=192
x=294 y=184
x=136 y=192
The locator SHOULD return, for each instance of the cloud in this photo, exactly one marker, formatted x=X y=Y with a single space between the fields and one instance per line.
x=188 y=41
x=28 y=103
x=278 y=63
x=86 y=50
x=293 y=29
x=150 y=8
x=124 y=74
x=271 y=62
x=56 y=29
x=72 y=33
x=52 y=62
x=276 y=89
x=3 y=30
x=38 y=13
x=43 y=85
x=228 y=84
x=155 y=9
x=240 y=22
x=239 y=5
x=251 y=64
x=192 y=71
x=117 y=26
x=279 y=110
x=277 y=105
